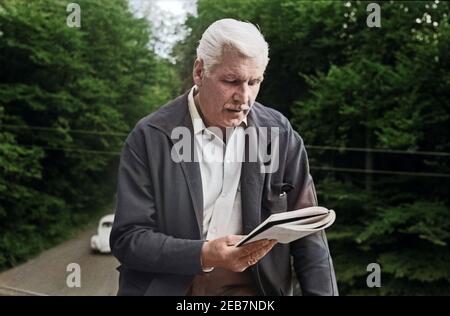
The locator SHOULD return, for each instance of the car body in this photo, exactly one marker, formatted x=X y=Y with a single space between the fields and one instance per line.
x=100 y=242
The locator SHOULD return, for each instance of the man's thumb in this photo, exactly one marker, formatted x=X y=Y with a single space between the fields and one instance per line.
x=233 y=239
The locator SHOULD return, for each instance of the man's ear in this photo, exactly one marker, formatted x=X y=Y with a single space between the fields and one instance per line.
x=198 y=72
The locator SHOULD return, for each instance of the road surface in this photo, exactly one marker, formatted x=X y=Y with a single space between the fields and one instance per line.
x=47 y=275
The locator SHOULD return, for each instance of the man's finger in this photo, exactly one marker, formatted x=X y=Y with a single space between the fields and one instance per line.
x=233 y=239
x=256 y=245
x=255 y=256
x=253 y=247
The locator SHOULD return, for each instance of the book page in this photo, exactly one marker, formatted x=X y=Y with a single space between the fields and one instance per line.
x=286 y=232
x=283 y=234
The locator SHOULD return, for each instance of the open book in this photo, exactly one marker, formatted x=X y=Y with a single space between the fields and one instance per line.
x=289 y=226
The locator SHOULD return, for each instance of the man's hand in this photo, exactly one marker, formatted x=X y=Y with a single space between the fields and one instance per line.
x=222 y=253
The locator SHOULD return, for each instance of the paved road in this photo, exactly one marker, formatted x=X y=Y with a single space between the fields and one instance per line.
x=46 y=274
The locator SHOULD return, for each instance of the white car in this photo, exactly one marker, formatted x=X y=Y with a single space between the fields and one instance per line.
x=100 y=242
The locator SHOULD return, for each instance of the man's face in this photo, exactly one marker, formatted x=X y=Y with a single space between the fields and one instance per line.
x=228 y=91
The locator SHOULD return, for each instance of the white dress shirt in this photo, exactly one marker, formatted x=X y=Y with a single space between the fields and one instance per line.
x=220 y=167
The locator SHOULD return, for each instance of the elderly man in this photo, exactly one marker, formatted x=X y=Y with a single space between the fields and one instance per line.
x=178 y=220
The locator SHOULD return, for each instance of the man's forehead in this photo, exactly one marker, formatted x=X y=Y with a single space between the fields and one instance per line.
x=240 y=69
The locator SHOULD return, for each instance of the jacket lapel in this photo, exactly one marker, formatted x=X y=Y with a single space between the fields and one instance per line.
x=193 y=178
x=178 y=111
x=252 y=180
x=251 y=191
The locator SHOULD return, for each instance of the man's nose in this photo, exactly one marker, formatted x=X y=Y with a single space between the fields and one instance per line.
x=242 y=94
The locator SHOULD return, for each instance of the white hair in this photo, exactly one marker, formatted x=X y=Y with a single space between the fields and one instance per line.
x=231 y=35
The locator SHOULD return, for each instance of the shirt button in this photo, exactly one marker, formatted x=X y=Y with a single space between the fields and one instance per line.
x=224 y=194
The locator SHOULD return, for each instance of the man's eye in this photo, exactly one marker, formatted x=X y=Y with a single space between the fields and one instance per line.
x=254 y=82
x=231 y=81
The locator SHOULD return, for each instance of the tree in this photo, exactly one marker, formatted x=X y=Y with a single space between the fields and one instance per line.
x=68 y=97
x=346 y=85
x=389 y=93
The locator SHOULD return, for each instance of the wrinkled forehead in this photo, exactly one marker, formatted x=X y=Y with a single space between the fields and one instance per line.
x=239 y=66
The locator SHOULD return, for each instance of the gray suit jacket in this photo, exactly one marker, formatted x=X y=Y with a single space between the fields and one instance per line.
x=157 y=229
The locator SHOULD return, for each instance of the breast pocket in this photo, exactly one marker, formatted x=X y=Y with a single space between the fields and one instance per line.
x=276 y=200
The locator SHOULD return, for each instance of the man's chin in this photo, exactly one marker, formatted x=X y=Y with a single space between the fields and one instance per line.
x=233 y=123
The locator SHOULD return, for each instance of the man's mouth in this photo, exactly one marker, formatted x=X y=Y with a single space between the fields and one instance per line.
x=242 y=109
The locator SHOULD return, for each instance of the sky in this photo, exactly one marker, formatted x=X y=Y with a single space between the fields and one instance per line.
x=167 y=18
x=174 y=6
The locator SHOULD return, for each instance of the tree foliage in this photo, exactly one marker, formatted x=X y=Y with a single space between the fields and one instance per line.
x=68 y=96
x=345 y=85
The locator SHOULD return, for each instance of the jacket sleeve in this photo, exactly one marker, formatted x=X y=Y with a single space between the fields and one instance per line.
x=312 y=260
x=135 y=240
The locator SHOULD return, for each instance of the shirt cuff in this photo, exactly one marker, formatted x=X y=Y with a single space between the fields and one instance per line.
x=206 y=270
